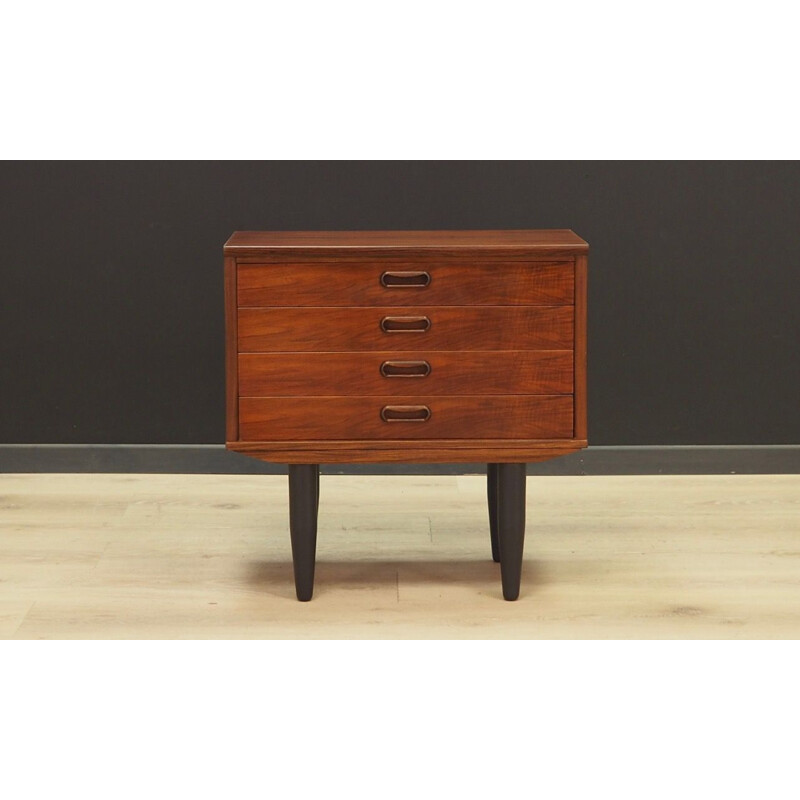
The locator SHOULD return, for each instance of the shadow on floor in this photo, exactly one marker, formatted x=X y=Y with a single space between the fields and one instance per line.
x=277 y=577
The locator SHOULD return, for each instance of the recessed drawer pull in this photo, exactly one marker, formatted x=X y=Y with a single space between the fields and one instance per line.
x=405 y=413
x=405 y=280
x=405 y=369
x=405 y=324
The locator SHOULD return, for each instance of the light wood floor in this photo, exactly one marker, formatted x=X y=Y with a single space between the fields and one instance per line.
x=207 y=556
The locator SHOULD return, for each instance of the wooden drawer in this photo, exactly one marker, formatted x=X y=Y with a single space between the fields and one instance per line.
x=398 y=373
x=450 y=328
x=331 y=418
x=373 y=284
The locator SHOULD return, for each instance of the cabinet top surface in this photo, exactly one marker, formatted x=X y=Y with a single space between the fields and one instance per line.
x=252 y=241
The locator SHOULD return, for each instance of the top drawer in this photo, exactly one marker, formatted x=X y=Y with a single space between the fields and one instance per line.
x=406 y=284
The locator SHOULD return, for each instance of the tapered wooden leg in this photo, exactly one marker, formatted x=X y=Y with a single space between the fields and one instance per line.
x=511 y=525
x=303 y=509
x=491 y=493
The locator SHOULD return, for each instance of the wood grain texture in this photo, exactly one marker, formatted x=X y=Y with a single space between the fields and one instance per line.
x=367 y=242
x=231 y=345
x=452 y=328
x=487 y=417
x=494 y=299
x=451 y=373
x=408 y=451
x=401 y=557
x=581 y=400
x=354 y=284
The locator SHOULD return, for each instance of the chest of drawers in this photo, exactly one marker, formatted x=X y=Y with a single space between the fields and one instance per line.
x=407 y=346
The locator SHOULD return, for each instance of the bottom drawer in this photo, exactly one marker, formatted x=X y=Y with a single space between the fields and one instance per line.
x=406 y=417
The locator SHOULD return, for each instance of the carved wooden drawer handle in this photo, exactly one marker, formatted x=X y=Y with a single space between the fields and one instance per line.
x=405 y=369
x=405 y=413
x=405 y=280
x=405 y=324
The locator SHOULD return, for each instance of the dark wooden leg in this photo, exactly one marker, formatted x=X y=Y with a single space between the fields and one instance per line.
x=511 y=525
x=303 y=507
x=491 y=492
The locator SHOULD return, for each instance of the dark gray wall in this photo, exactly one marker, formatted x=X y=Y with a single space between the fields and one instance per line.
x=112 y=321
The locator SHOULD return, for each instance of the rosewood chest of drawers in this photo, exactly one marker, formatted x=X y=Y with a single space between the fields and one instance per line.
x=407 y=346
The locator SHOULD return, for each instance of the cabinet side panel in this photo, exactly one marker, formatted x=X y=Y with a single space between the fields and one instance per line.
x=231 y=359
x=581 y=276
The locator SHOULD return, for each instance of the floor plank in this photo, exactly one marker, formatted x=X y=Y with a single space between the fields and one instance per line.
x=208 y=556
